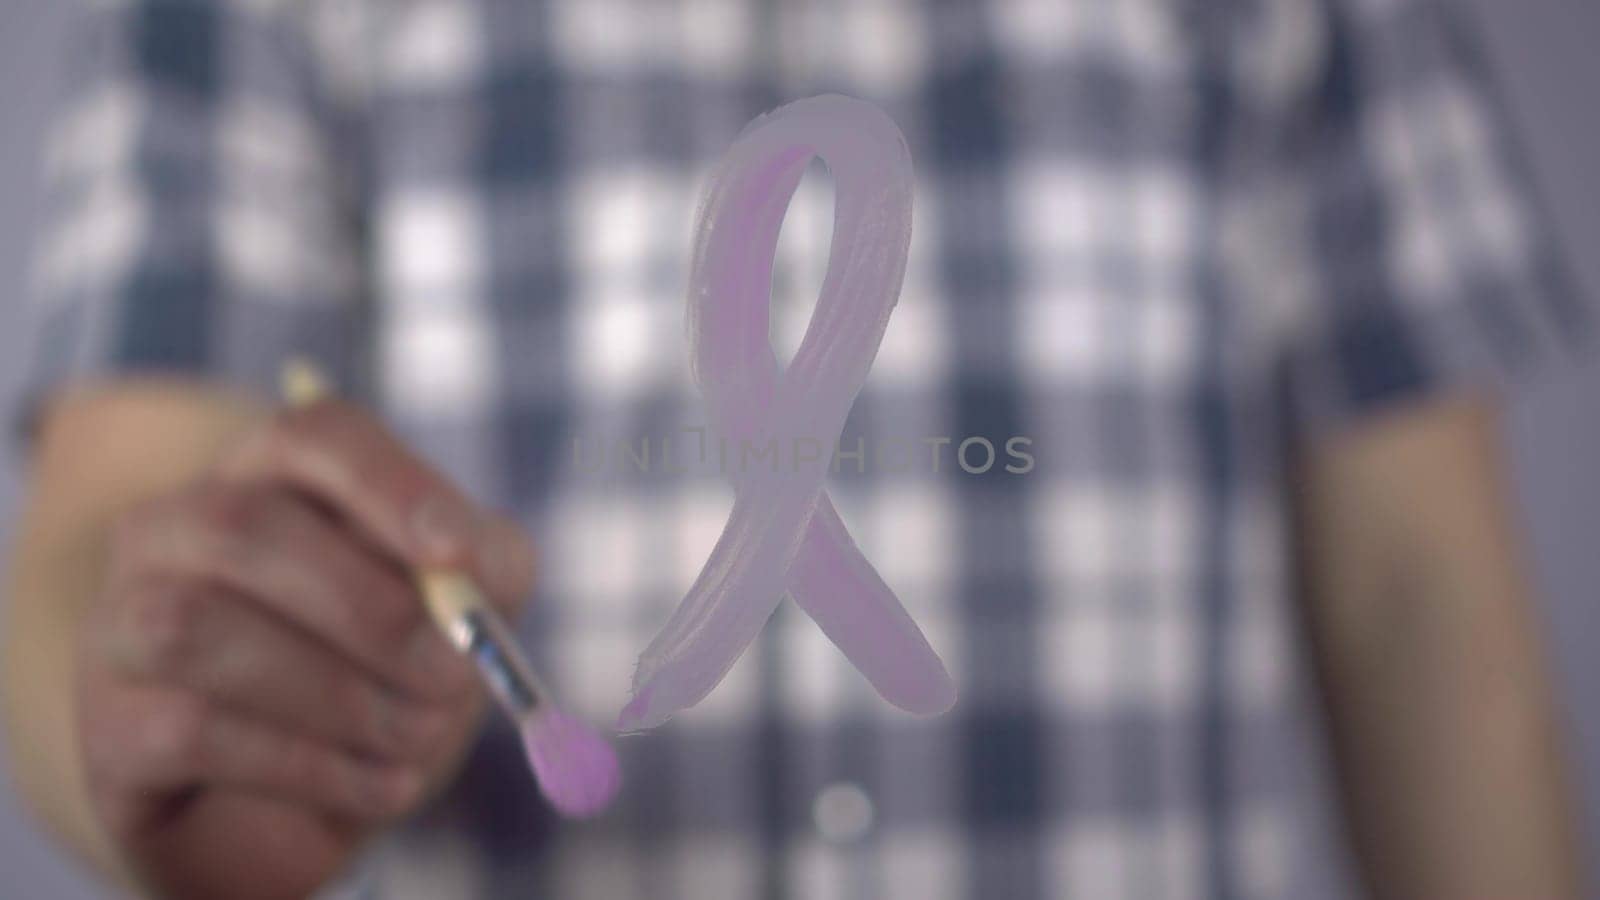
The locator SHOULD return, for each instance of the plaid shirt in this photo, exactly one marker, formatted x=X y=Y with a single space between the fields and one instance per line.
x=1171 y=243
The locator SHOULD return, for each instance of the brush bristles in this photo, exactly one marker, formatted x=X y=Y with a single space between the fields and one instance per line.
x=576 y=768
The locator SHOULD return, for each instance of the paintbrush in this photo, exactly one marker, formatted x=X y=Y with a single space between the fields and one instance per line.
x=575 y=767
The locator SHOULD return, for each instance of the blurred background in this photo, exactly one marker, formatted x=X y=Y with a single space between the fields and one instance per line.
x=1543 y=51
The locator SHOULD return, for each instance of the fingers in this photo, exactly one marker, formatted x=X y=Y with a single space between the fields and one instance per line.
x=261 y=632
x=157 y=742
x=229 y=750
x=350 y=463
x=347 y=460
x=505 y=563
x=211 y=642
x=275 y=550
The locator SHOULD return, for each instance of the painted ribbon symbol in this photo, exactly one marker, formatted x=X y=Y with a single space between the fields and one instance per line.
x=783 y=535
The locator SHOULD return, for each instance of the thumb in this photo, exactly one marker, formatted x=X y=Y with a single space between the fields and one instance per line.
x=505 y=562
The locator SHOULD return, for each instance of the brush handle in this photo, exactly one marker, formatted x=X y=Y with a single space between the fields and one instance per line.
x=453 y=601
x=475 y=628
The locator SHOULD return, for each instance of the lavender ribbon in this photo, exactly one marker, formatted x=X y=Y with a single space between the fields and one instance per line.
x=783 y=535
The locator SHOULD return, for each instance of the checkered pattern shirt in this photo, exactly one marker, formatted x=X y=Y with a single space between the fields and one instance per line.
x=1170 y=242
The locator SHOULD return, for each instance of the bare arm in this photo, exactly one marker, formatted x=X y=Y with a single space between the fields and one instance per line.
x=1427 y=644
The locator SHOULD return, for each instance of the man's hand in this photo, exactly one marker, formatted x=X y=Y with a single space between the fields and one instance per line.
x=258 y=687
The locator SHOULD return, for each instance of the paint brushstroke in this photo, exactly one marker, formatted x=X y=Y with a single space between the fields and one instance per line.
x=784 y=535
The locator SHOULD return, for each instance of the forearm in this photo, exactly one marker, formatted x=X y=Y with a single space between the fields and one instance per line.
x=1441 y=708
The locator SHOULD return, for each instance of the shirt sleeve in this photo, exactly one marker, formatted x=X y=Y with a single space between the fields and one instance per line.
x=202 y=211
x=1432 y=265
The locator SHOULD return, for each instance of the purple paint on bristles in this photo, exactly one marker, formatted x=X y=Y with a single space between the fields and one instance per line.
x=577 y=769
x=784 y=535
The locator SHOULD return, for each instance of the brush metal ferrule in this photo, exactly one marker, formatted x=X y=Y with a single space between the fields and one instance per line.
x=474 y=627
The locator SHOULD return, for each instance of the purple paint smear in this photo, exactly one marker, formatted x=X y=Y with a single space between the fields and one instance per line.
x=784 y=535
